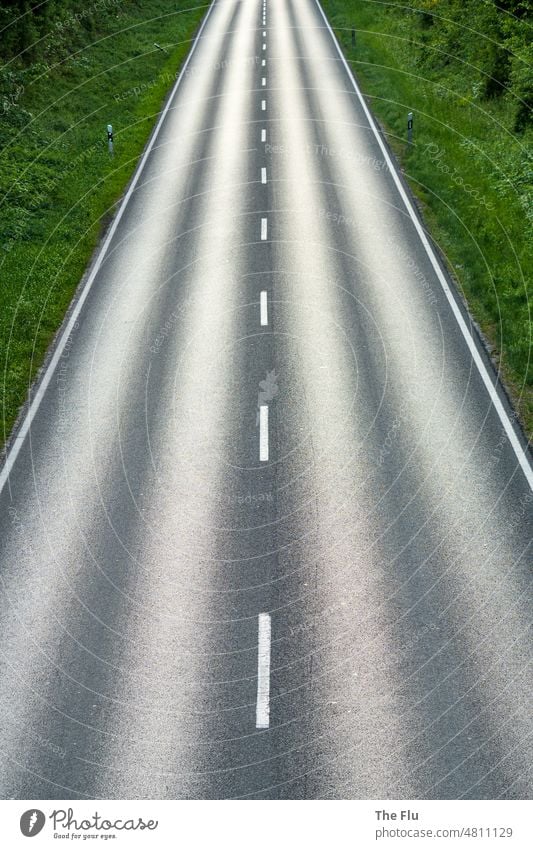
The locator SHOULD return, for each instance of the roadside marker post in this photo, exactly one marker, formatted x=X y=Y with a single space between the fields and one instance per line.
x=409 y=128
x=110 y=138
x=353 y=38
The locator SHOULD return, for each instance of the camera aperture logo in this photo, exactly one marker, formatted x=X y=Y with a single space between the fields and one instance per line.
x=268 y=389
x=32 y=822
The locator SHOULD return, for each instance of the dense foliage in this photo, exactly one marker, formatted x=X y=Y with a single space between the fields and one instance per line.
x=494 y=39
x=36 y=30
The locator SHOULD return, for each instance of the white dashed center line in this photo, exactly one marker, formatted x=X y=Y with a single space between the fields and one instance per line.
x=263 y=433
x=264 y=309
x=262 y=711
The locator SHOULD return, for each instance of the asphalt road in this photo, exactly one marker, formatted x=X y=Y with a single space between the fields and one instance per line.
x=265 y=532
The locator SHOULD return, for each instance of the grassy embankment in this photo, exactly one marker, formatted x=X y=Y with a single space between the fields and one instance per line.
x=471 y=164
x=59 y=184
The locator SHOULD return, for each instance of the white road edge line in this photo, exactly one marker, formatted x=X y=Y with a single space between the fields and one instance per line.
x=263 y=433
x=262 y=710
x=476 y=356
x=65 y=334
x=263 y=175
x=264 y=309
x=264 y=229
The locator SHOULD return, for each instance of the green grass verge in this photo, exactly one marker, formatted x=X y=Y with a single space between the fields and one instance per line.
x=59 y=184
x=472 y=174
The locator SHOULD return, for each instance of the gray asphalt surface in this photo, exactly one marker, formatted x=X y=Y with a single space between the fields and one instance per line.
x=388 y=535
